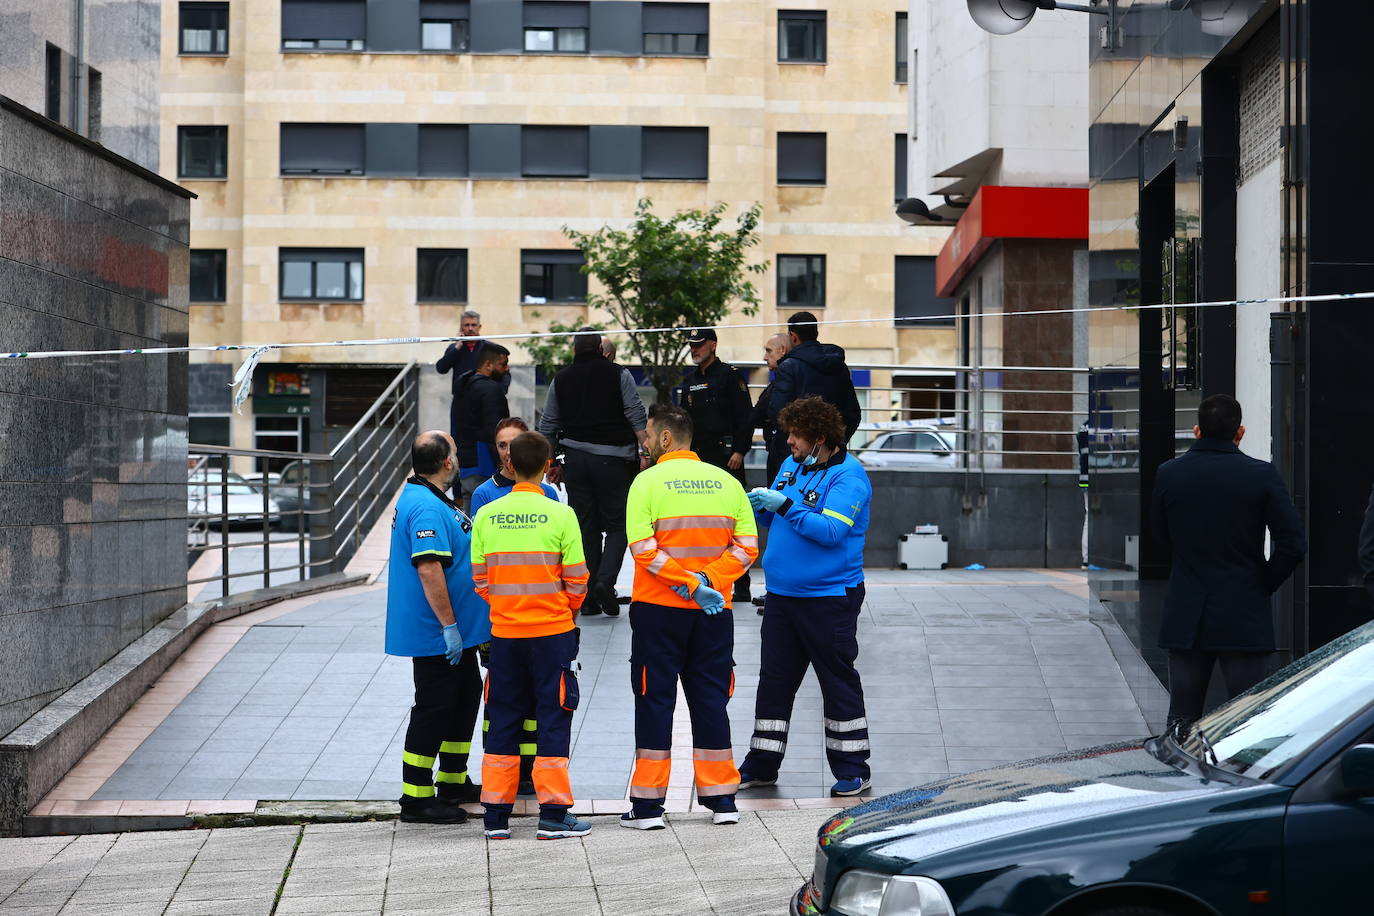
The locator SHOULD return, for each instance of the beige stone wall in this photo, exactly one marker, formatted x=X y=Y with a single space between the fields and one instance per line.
x=740 y=92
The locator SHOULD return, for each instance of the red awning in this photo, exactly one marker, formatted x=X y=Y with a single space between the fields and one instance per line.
x=1008 y=213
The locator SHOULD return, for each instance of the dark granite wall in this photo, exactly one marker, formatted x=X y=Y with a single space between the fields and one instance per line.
x=93 y=255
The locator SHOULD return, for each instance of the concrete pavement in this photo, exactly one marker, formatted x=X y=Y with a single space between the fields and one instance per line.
x=394 y=868
x=962 y=670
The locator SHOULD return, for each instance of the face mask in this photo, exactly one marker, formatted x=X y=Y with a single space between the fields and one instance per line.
x=810 y=460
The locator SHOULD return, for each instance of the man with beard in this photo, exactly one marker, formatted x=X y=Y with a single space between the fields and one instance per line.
x=482 y=404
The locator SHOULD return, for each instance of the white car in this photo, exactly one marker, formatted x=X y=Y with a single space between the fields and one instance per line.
x=204 y=498
x=909 y=447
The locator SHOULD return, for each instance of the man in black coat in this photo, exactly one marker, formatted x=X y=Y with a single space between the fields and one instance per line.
x=460 y=358
x=1367 y=546
x=1212 y=506
x=481 y=401
x=812 y=367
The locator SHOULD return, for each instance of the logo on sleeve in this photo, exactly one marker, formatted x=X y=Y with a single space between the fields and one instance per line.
x=424 y=533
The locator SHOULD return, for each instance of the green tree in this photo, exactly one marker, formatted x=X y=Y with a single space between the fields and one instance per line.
x=682 y=272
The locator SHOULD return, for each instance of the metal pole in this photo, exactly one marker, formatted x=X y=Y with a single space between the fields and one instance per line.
x=266 y=528
x=301 y=532
x=223 y=523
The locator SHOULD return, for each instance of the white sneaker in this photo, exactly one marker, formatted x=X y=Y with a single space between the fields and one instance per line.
x=725 y=817
x=628 y=819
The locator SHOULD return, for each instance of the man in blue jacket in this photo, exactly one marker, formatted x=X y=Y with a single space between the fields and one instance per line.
x=1212 y=505
x=435 y=617
x=813 y=368
x=814 y=570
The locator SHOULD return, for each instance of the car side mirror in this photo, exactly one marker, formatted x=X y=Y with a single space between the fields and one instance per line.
x=1357 y=771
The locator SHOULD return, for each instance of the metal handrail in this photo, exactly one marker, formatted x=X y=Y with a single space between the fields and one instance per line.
x=331 y=513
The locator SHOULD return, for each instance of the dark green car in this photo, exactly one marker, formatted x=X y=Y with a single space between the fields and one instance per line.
x=1266 y=806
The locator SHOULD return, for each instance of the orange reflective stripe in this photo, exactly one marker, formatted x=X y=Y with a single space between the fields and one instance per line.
x=524 y=559
x=682 y=553
x=643 y=680
x=500 y=778
x=732 y=683
x=716 y=777
x=650 y=778
x=551 y=781
x=686 y=522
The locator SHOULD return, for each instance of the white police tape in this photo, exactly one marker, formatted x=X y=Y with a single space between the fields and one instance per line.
x=243 y=377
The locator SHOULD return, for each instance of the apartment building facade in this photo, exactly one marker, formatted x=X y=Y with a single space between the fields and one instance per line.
x=371 y=169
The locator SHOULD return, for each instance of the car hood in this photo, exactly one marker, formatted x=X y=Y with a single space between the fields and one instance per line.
x=982 y=806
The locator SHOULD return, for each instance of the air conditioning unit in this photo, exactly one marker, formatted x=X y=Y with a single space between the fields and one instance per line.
x=924 y=548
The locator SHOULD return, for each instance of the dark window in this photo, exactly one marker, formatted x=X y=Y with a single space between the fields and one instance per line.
x=801 y=36
x=556 y=26
x=94 y=103
x=202 y=152
x=552 y=276
x=441 y=275
x=207 y=275
x=676 y=28
x=914 y=282
x=322 y=273
x=208 y=430
x=323 y=25
x=801 y=280
x=899 y=151
x=674 y=152
x=444 y=150
x=323 y=149
x=558 y=152
x=801 y=158
x=205 y=28
x=52 y=103
x=901 y=48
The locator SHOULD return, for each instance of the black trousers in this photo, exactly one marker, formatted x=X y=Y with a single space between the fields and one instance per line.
x=598 y=487
x=441 y=722
x=1190 y=670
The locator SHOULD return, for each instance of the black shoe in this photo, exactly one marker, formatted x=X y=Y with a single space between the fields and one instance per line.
x=526 y=787
x=759 y=601
x=465 y=793
x=590 y=606
x=433 y=811
x=605 y=596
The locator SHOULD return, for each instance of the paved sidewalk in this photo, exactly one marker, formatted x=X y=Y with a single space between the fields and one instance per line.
x=394 y=868
x=962 y=670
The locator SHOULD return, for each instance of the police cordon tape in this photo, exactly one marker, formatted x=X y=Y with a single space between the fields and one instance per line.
x=244 y=375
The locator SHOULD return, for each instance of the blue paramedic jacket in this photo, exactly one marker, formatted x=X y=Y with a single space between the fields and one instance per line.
x=427 y=526
x=816 y=543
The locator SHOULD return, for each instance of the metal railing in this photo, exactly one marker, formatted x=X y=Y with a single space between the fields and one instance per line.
x=984 y=418
x=329 y=501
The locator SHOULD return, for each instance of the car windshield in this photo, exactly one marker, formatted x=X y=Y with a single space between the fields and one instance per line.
x=1281 y=718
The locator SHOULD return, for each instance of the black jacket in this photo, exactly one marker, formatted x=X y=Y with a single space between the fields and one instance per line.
x=460 y=360
x=718 y=402
x=816 y=368
x=481 y=404
x=774 y=443
x=1212 y=506
x=1367 y=546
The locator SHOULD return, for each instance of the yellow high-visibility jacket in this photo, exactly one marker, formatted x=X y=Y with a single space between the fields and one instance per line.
x=527 y=563
x=683 y=517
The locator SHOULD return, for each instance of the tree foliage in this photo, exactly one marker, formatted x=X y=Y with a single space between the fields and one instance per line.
x=553 y=353
x=682 y=272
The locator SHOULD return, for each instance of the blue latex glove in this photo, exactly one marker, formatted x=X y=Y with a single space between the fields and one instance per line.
x=453 y=640
x=706 y=597
x=766 y=500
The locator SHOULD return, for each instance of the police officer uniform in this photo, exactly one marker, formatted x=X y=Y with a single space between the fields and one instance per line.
x=686 y=520
x=429 y=526
x=717 y=399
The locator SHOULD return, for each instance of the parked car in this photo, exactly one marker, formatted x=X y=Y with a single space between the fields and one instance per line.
x=287 y=490
x=1266 y=805
x=909 y=444
x=204 y=498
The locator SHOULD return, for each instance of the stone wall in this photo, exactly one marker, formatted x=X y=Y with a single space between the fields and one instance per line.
x=999 y=519
x=93 y=255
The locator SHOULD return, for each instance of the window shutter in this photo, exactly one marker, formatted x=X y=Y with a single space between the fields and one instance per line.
x=675 y=152
x=676 y=17
x=313 y=19
x=322 y=148
x=556 y=15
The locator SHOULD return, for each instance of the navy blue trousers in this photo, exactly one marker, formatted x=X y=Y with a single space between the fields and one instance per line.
x=669 y=644
x=821 y=633
x=523 y=674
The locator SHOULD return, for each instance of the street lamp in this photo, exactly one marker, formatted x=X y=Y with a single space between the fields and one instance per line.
x=913 y=210
x=1003 y=17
